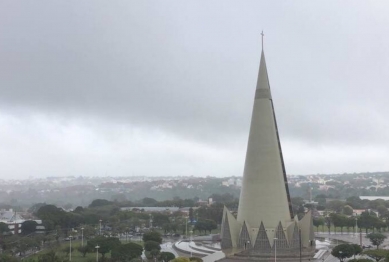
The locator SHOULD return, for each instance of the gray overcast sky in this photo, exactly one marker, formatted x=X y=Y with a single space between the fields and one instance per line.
x=153 y=88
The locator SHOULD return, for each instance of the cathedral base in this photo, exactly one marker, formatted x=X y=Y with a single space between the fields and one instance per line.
x=247 y=255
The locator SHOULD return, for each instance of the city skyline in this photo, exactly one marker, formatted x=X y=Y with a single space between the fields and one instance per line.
x=150 y=89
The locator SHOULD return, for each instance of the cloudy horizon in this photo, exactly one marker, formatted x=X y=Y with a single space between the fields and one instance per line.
x=166 y=88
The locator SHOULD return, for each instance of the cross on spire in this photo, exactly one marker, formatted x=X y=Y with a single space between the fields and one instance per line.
x=262 y=34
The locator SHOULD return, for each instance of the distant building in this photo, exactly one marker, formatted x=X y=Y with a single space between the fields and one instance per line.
x=15 y=221
x=371 y=198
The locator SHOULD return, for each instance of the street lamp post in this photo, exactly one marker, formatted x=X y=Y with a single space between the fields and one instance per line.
x=275 y=249
x=190 y=240
x=82 y=236
x=356 y=223
x=70 y=248
x=97 y=253
x=186 y=228
x=100 y=225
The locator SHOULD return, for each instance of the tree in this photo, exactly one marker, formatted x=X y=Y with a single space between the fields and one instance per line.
x=327 y=221
x=49 y=257
x=347 y=210
x=343 y=251
x=28 y=227
x=79 y=209
x=339 y=221
x=33 y=209
x=66 y=249
x=376 y=254
x=4 y=228
x=318 y=221
x=210 y=225
x=24 y=244
x=126 y=252
x=147 y=201
x=100 y=202
x=335 y=205
x=152 y=236
x=89 y=231
x=367 y=220
x=106 y=244
x=160 y=219
x=357 y=249
x=376 y=239
x=298 y=206
x=152 y=245
x=355 y=202
x=52 y=216
x=83 y=250
x=166 y=256
x=7 y=258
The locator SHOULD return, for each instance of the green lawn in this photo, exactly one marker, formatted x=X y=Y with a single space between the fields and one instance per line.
x=76 y=256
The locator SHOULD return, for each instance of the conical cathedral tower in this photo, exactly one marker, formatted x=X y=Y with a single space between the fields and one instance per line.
x=264 y=184
x=265 y=217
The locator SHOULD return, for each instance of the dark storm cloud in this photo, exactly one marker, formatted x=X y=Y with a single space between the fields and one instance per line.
x=188 y=69
x=123 y=66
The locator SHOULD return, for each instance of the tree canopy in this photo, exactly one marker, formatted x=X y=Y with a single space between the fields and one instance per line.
x=376 y=238
x=126 y=252
x=100 y=202
x=343 y=251
x=166 y=256
x=3 y=228
x=28 y=227
x=152 y=245
x=376 y=254
x=152 y=236
x=106 y=244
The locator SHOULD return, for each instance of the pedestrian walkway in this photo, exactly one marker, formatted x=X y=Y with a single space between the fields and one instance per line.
x=350 y=238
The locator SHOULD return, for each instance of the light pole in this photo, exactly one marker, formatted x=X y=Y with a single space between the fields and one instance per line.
x=100 y=225
x=356 y=223
x=70 y=248
x=97 y=253
x=70 y=243
x=275 y=249
x=186 y=228
x=82 y=236
x=190 y=240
